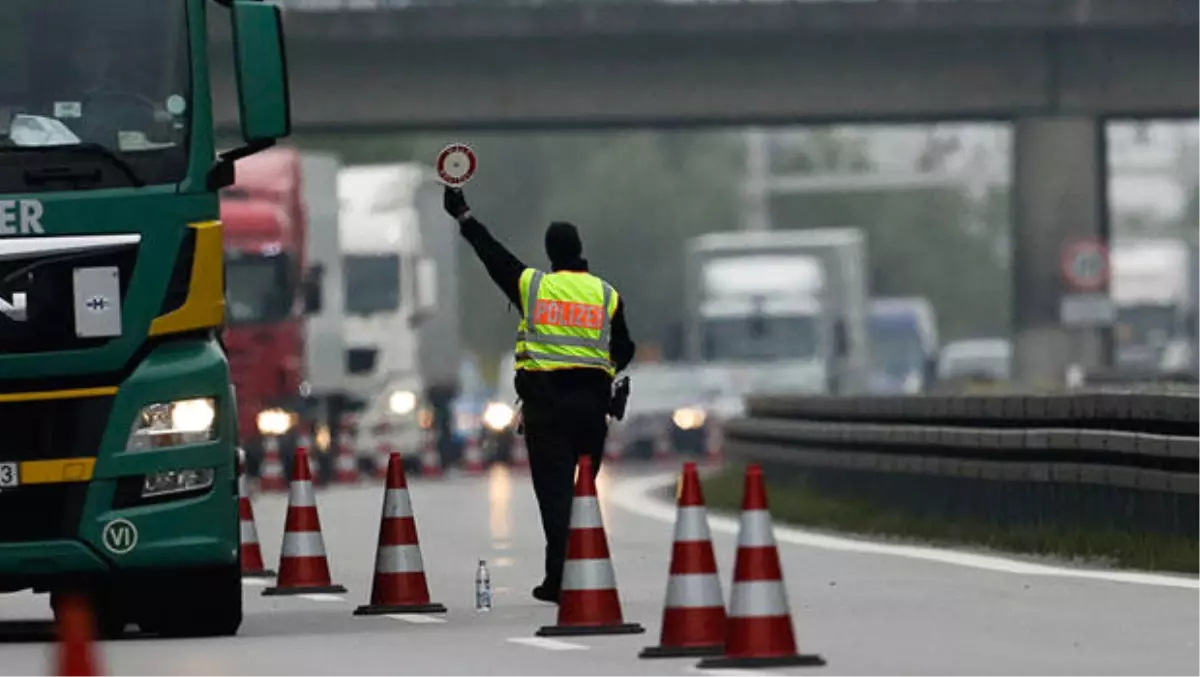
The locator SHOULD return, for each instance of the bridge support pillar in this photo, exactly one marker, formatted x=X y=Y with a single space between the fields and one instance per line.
x=1060 y=177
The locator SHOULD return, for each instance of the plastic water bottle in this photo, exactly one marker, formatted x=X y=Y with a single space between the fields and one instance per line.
x=483 y=587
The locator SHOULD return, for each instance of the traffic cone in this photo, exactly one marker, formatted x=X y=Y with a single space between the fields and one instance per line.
x=694 y=612
x=271 y=477
x=662 y=444
x=252 y=559
x=613 y=444
x=303 y=567
x=759 y=628
x=400 y=585
x=519 y=455
x=76 y=629
x=473 y=456
x=346 y=465
x=382 y=454
x=714 y=443
x=431 y=459
x=589 y=603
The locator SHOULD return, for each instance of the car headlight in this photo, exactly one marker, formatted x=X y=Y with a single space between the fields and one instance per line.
x=273 y=422
x=498 y=415
x=172 y=424
x=402 y=402
x=688 y=418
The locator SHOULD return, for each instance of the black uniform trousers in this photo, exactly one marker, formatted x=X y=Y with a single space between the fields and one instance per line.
x=557 y=433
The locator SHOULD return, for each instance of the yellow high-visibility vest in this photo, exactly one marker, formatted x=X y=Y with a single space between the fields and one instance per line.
x=566 y=321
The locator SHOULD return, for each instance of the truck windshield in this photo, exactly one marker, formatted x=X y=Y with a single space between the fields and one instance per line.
x=372 y=283
x=103 y=83
x=1142 y=331
x=774 y=338
x=896 y=349
x=257 y=289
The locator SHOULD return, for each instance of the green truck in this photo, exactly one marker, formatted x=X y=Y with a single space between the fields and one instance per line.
x=118 y=448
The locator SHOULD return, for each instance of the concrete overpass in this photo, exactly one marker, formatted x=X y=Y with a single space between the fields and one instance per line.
x=1056 y=68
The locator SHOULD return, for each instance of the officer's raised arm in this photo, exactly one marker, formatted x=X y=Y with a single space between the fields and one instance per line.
x=502 y=265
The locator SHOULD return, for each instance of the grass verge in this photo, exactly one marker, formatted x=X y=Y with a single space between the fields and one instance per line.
x=798 y=504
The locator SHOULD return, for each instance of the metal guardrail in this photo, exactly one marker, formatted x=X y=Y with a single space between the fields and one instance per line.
x=1124 y=463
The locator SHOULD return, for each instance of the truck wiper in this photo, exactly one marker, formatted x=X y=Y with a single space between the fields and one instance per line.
x=62 y=173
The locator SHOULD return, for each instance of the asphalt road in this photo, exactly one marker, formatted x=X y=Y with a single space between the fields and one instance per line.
x=867 y=608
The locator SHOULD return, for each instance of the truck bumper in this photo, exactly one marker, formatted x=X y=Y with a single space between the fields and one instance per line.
x=98 y=523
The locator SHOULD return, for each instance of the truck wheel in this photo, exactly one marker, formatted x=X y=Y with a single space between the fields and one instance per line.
x=197 y=603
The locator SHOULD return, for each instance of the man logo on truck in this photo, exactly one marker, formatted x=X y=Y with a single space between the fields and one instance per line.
x=15 y=308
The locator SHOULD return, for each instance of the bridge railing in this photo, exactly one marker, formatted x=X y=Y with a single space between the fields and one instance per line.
x=1115 y=462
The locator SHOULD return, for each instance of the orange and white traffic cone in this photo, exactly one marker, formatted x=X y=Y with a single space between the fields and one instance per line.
x=613 y=445
x=473 y=456
x=694 y=613
x=519 y=453
x=400 y=585
x=714 y=443
x=431 y=458
x=382 y=454
x=303 y=566
x=271 y=477
x=76 y=627
x=759 y=629
x=589 y=603
x=662 y=444
x=252 y=559
x=346 y=465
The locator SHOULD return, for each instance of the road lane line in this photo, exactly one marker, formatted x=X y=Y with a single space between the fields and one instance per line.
x=416 y=619
x=259 y=582
x=635 y=495
x=547 y=644
x=322 y=597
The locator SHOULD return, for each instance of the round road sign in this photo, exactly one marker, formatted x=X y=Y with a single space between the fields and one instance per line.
x=456 y=164
x=1085 y=265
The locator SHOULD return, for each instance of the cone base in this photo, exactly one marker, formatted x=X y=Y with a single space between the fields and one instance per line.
x=681 y=651
x=568 y=630
x=261 y=573
x=795 y=660
x=305 y=590
x=379 y=609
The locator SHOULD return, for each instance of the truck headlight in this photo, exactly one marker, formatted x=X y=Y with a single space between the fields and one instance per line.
x=402 y=402
x=273 y=422
x=688 y=418
x=172 y=424
x=497 y=416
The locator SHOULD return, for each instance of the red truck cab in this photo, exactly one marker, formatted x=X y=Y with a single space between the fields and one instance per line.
x=263 y=215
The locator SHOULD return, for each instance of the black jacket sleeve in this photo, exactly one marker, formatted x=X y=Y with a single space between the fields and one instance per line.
x=621 y=347
x=502 y=266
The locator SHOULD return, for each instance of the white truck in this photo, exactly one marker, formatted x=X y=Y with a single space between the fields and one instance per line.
x=785 y=311
x=1154 y=287
x=390 y=288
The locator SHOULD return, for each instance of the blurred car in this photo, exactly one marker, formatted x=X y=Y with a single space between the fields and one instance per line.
x=468 y=408
x=500 y=414
x=678 y=400
x=391 y=419
x=975 y=361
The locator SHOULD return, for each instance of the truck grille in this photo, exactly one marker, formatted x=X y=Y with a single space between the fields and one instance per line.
x=46 y=429
x=47 y=281
x=41 y=512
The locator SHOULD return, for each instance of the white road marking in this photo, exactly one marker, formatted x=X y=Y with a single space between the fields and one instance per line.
x=722 y=672
x=634 y=495
x=260 y=582
x=547 y=644
x=416 y=619
x=322 y=597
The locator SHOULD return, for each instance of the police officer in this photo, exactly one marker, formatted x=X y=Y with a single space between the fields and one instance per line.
x=571 y=341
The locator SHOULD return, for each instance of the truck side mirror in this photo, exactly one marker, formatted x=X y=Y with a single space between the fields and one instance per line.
x=260 y=63
x=313 y=286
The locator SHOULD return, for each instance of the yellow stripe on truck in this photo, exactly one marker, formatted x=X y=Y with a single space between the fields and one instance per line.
x=57 y=471
x=205 y=304
x=57 y=394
